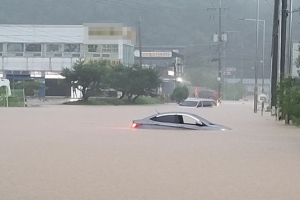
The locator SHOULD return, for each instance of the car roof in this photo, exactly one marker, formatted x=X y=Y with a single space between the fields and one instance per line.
x=181 y=113
x=197 y=99
x=177 y=112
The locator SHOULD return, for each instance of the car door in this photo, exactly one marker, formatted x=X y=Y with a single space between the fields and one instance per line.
x=191 y=123
x=170 y=121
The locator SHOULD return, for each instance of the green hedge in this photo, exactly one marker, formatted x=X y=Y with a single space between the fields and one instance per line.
x=142 y=100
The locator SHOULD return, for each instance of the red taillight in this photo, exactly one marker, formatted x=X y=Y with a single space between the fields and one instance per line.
x=135 y=125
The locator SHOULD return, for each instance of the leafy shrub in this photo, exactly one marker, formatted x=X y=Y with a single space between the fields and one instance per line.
x=180 y=93
x=143 y=100
x=289 y=98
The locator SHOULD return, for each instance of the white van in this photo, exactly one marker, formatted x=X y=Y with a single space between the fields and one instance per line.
x=198 y=102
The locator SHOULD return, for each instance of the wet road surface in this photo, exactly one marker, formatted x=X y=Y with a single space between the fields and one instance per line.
x=90 y=152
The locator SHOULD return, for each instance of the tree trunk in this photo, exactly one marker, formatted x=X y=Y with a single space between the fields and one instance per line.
x=85 y=97
x=129 y=97
x=122 y=96
x=135 y=98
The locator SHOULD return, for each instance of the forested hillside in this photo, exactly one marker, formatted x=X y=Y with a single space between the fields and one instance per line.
x=166 y=22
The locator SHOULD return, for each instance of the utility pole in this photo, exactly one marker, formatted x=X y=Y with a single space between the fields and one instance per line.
x=274 y=54
x=256 y=60
x=220 y=42
x=175 y=72
x=140 y=42
x=220 y=49
x=283 y=38
x=290 y=39
x=283 y=46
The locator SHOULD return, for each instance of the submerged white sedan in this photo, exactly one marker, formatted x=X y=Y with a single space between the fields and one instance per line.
x=177 y=120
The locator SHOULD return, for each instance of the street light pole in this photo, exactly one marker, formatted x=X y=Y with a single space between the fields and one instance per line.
x=263 y=56
x=220 y=51
x=263 y=50
x=263 y=67
x=256 y=59
x=263 y=59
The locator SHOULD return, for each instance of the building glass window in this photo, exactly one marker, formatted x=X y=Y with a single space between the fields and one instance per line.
x=93 y=48
x=54 y=48
x=72 y=48
x=15 y=47
x=109 y=48
x=33 y=47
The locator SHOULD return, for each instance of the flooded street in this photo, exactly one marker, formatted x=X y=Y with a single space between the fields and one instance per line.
x=90 y=152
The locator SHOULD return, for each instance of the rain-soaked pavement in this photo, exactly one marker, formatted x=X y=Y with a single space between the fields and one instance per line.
x=89 y=152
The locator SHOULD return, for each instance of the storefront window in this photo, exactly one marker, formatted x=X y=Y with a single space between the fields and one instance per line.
x=72 y=48
x=33 y=47
x=93 y=48
x=54 y=48
x=110 y=48
x=15 y=47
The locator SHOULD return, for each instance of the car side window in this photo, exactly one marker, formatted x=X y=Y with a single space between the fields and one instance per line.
x=168 y=119
x=188 y=120
x=207 y=104
x=199 y=104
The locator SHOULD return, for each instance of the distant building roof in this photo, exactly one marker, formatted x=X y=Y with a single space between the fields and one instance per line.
x=41 y=33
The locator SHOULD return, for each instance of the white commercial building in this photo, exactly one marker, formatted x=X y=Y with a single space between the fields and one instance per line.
x=40 y=51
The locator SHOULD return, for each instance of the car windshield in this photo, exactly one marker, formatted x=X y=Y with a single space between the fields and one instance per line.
x=189 y=103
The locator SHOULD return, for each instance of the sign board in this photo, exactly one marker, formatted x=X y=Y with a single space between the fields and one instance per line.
x=262 y=98
x=153 y=54
x=231 y=69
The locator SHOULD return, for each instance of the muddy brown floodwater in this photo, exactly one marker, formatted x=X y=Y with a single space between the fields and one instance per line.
x=90 y=152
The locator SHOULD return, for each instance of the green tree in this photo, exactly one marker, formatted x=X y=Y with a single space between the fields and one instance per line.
x=141 y=81
x=134 y=81
x=87 y=77
x=180 y=93
x=118 y=78
x=289 y=97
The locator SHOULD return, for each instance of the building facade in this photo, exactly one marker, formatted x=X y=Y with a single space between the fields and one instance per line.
x=168 y=60
x=40 y=51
